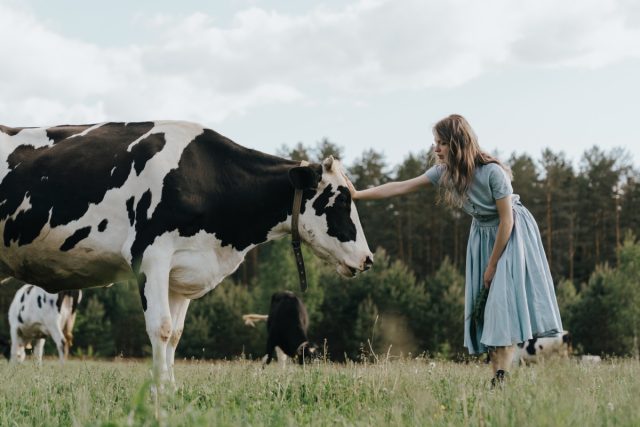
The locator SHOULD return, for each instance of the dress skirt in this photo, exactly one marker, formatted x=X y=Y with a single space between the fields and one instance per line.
x=522 y=300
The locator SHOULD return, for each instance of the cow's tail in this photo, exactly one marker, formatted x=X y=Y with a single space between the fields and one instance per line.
x=11 y=281
x=251 y=319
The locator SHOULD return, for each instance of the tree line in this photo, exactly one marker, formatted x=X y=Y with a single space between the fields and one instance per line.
x=412 y=302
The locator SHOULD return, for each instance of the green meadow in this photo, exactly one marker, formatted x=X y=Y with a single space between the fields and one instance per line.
x=414 y=392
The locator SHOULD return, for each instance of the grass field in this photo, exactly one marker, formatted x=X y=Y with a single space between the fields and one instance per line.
x=409 y=392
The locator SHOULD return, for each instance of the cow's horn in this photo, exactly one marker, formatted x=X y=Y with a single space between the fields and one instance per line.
x=327 y=163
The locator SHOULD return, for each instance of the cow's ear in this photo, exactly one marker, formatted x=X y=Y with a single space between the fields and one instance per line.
x=303 y=177
x=328 y=163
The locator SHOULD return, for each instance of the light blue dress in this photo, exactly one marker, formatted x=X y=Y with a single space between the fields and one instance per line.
x=522 y=301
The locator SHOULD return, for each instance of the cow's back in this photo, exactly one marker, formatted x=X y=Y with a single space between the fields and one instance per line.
x=75 y=190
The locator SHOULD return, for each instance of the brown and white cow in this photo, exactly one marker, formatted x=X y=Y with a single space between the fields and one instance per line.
x=172 y=205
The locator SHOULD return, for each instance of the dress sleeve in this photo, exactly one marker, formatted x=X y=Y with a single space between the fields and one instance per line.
x=434 y=173
x=499 y=182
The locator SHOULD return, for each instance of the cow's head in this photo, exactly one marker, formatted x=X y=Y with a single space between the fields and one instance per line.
x=308 y=352
x=330 y=222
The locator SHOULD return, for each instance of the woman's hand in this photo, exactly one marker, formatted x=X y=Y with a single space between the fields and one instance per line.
x=351 y=188
x=488 y=275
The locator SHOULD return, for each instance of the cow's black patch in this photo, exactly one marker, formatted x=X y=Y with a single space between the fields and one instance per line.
x=321 y=202
x=221 y=188
x=130 y=211
x=142 y=281
x=51 y=302
x=39 y=301
x=142 y=208
x=60 y=133
x=77 y=236
x=103 y=225
x=22 y=297
x=531 y=346
x=339 y=222
x=10 y=131
x=20 y=318
x=29 y=289
x=78 y=170
x=143 y=152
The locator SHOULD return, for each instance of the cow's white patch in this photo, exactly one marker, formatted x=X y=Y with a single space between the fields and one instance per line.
x=25 y=205
x=36 y=138
x=200 y=263
x=89 y=129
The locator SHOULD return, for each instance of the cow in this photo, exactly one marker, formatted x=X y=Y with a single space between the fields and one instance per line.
x=535 y=349
x=172 y=205
x=35 y=314
x=287 y=324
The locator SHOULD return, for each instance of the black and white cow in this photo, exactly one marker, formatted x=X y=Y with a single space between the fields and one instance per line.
x=170 y=204
x=535 y=349
x=287 y=324
x=35 y=314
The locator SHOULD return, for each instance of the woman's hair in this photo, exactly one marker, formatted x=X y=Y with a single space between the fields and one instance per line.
x=463 y=156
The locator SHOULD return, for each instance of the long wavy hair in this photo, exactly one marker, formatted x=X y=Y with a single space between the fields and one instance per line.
x=463 y=157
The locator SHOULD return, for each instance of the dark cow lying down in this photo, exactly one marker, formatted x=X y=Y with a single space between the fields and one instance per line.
x=287 y=325
x=172 y=205
x=536 y=349
x=35 y=314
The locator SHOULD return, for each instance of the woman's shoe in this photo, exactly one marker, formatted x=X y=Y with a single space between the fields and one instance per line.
x=498 y=380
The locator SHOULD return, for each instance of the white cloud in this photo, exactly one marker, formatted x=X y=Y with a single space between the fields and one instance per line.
x=197 y=68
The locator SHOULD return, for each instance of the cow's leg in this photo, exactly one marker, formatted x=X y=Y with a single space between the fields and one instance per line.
x=58 y=337
x=153 y=283
x=282 y=357
x=67 y=330
x=271 y=348
x=17 y=347
x=38 y=349
x=178 y=306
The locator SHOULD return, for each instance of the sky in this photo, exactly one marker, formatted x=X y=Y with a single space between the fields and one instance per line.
x=366 y=74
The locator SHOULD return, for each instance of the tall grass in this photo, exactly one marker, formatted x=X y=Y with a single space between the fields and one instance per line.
x=408 y=392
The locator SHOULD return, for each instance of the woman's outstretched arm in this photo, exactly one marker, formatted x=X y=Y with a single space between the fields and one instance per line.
x=390 y=189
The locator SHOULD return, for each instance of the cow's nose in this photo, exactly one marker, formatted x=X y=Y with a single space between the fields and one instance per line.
x=368 y=263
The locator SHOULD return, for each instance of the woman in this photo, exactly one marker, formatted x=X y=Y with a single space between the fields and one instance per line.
x=504 y=252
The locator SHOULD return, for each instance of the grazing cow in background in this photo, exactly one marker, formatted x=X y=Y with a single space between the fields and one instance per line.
x=287 y=325
x=35 y=314
x=540 y=348
x=6 y=348
x=172 y=205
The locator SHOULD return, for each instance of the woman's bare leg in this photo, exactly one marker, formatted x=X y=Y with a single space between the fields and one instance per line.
x=501 y=358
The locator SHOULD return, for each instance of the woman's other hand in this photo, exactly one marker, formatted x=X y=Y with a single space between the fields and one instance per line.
x=488 y=275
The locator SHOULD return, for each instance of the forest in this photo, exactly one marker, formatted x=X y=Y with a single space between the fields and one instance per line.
x=411 y=302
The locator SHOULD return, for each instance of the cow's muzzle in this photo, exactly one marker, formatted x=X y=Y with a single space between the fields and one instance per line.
x=350 y=271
